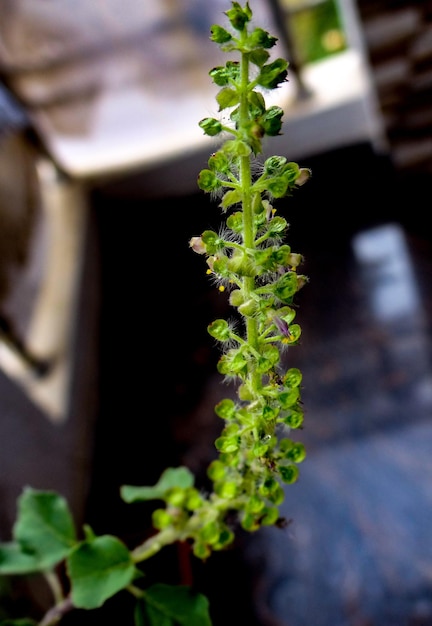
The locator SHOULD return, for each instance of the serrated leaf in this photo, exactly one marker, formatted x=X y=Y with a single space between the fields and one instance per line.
x=166 y=605
x=44 y=526
x=171 y=477
x=99 y=569
x=14 y=561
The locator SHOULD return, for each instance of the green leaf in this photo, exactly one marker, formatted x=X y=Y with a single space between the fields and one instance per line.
x=171 y=477
x=44 y=527
x=166 y=605
x=99 y=569
x=14 y=561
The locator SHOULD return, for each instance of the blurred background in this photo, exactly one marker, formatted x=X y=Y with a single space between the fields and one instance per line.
x=107 y=373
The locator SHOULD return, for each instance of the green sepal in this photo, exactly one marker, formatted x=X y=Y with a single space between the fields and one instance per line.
x=98 y=569
x=171 y=477
x=276 y=226
x=219 y=35
x=226 y=98
x=219 y=329
x=237 y=148
x=261 y=38
x=232 y=363
x=272 y=74
x=271 y=121
x=259 y=57
x=256 y=103
x=233 y=196
x=213 y=243
x=286 y=287
x=295 y=332
x=235 y=222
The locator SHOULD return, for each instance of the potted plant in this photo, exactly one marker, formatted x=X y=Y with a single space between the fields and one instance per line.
x=247 y=258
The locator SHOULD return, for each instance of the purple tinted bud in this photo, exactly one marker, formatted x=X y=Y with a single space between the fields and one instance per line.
x=282 y=326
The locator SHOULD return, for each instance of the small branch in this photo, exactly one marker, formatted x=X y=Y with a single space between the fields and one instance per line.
x=55 y=614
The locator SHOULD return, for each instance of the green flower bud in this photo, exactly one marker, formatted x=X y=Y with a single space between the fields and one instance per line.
x=293 y=377
x=208 y=181
x=220 y=330
x=210 y=126
x=216 y=470
x=193 y=500
x=235 y=222
x=161 y=519
x=249 y=522
x=270 y=517
x=268 y=486
x=226 y=490
x=209 y=533
x=255 y=504
x=226 y=409
x=219 y=162
x=225 y=538
x=201 y=550
x=289 y=473
x=294 y=419
x=175 y=496
x=297 y=453
x=274 y=165
x=227 y=444
x=239 y=16
x=277 y=496
x=288 y=399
